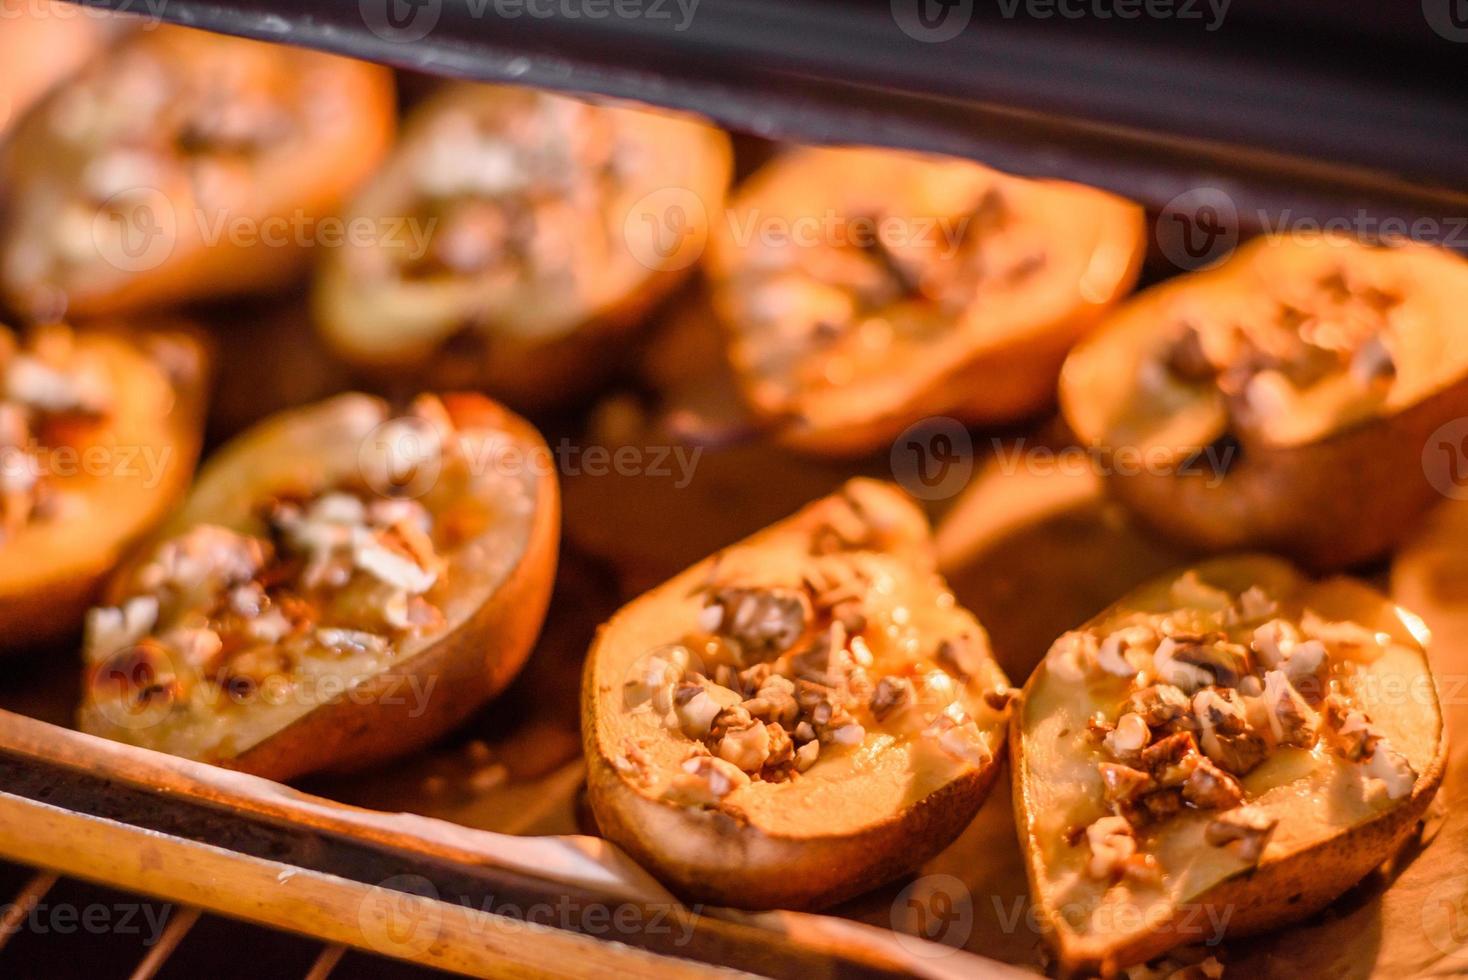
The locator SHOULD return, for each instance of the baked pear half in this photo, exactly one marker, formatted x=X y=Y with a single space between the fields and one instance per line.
x=99 y=432
x=537 y=230
x=182 y=165
x=864 y=289
x=340 y=587
x=1281 y=399
x=799 y=718
x=1230 y=748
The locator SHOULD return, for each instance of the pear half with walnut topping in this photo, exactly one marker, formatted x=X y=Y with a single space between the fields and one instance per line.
x=865 y=289
x=1228 y=748
x=340 y=587
x=798 y=718
x=182 y=165
x=536 y=231
x=99 y=431
x=1281 y=399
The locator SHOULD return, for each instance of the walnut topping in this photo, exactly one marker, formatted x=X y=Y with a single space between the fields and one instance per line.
x=342 y=579
x=1352 y=736
x=961 y=740
x=1112 y=845
x=1173 y=670
x=111 y=628
x=1331 y=326
x=705 y=781
x=1112 y=655
x=1225 y=736
x=806 y=755
x=764 y=622
x=774 y=701
x=1273 y=641
x=1253 y=605
x=1159 y=705
x=697 y=704
x=1392 y=770
x=654 y=679
x=891 y=694
x=1071 y=656
x=1245 y=830
x=1210 y=788
x=1291 y=721
x=1122 y=784
x=746 y=745
x=1129 y=737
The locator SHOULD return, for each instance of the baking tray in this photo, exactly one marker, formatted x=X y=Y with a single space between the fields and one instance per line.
x=495 y=829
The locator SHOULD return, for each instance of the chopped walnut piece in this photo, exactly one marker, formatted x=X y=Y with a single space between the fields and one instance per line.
x=705 y=781
x=1190 y=591
x=764 y=622
x=746 y=746
x=698 y=704
x=826 y=661
x=806 y=755
x=1111 y=655
x=1245 y=830
x=206 y=559
x=775 y=701
x=1172 y=760
x=1172 y=669
x=1071 y=655
x=1130 y=736
x=962 y=741
x=781 y=752
x=1349 y=729
x=1159 y=705
x=1210 y=788
x=113 y=628
x=1112 y=844
x=1122 y=784
x=1392 y=770
x=1225 y=736
x=1273 y=641
x=1253 y=605
x=892 y=694
x=1223 y=662
x=1291 y=720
